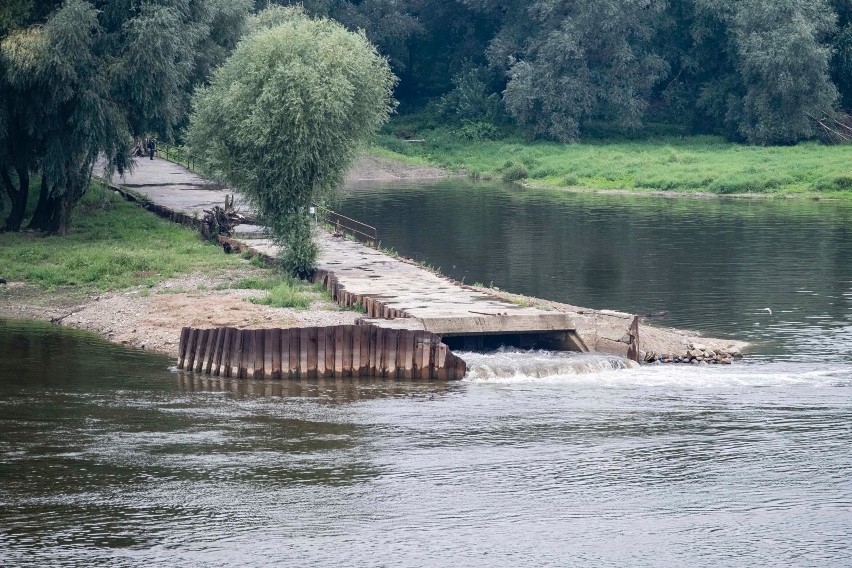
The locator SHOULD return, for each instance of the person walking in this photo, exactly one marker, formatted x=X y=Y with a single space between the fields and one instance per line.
x=152 y=147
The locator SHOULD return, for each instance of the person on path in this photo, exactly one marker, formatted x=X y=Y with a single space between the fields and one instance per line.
x=152 y=147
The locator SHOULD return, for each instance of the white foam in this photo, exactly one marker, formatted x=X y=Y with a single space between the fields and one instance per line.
x=515 y=366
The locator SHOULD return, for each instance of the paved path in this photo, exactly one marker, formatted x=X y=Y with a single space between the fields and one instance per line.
x=391 y=286
x=430 y=301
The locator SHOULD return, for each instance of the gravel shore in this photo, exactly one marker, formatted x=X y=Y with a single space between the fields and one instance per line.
x=151 y=318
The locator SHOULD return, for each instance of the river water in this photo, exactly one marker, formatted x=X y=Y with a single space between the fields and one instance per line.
x=109 y=457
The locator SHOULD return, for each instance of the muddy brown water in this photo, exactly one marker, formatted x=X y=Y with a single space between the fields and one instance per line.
x=109 y=457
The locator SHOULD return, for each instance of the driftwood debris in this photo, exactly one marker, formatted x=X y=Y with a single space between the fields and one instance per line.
x=222 y=220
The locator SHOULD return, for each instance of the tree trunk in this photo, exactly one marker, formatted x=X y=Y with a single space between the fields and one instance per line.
x=18 y=196
x=53 y=212
x=47 y=213
x=44 y=211
x=63 y=222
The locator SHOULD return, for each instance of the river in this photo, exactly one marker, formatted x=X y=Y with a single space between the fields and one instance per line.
x=109 y=457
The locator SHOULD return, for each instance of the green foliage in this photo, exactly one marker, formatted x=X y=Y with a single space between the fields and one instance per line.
x=79 y=83
x=472 y=100
x=59 y=112
x=512 y=172
x=784 y=67
x=480 y=130
x=664 y=163
x=289 y=293
x=585 y=60
x=283 y=117
x=113 y=245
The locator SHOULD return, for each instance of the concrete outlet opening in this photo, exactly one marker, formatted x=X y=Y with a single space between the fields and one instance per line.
x=485 y=342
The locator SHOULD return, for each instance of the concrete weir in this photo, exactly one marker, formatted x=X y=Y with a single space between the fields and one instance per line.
x=405 y=306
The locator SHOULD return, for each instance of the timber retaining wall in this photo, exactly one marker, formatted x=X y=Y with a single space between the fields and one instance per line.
x=318 y=352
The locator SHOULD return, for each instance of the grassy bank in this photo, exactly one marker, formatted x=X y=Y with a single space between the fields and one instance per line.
x=660 y=163
x=115 y=244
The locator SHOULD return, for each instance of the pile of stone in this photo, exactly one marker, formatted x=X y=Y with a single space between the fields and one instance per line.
x=696 y=354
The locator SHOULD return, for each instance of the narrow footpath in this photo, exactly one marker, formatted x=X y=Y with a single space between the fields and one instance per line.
x=396 y=293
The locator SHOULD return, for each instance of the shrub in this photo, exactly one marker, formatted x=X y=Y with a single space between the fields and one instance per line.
x=514 y=172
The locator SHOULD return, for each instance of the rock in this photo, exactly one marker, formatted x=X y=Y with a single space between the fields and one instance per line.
x=699 y=347
x=694 y=361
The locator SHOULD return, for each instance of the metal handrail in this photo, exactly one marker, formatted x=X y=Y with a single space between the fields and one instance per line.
x=343 y=224
x=177 y=150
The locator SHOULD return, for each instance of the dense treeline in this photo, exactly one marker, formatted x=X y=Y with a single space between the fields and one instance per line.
x=81 y=79
x=758 y=71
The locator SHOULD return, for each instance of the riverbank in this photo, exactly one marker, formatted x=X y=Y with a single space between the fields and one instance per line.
x=137 y=280
x=700 y=166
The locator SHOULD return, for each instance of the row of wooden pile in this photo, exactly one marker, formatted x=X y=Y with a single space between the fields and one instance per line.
x=318 y=352
x=373 y=307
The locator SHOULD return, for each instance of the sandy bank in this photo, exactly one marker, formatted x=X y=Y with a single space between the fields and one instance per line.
x=374 y=168
x=151 y=318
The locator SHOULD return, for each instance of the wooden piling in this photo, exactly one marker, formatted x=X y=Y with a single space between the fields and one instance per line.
x=317 y=353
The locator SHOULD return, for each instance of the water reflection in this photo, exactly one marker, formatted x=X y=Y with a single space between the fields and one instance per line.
x=713 y=264
x=651 y=466
x=338 y=391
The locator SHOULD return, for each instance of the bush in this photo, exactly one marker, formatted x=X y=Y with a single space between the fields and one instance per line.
x=478 y=131
x=514 y=172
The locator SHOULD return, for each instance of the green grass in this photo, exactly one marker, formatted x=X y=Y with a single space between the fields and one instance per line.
x=287 y=293
x=283 y=291
x=666 y=162
x=112 y=245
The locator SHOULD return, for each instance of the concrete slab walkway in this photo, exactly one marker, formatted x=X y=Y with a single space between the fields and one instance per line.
x=362 y=271
x=387 y=286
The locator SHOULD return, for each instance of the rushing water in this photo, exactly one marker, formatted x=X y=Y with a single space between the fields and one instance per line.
x=108 y=457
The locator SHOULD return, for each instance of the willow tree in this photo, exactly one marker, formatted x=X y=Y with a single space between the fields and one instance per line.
x=283 y=118
x=79 y=78
x=584 y=61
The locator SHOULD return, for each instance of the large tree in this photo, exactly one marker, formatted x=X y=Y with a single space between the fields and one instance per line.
x=570 y=61
x=784 y=66
x=83 y=81
x=57 y=114
x=282 y=119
